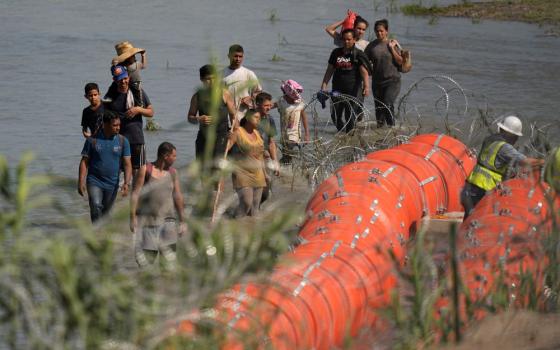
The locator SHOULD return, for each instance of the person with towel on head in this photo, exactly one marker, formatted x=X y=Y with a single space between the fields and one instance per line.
x=291 y=107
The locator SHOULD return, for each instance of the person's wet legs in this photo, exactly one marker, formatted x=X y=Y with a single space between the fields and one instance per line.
x=257 y=195
x=100 y=201
x=108 y=200
x=249 y=201
x=378 y=96
x=385 y=96
x=352 y=111
x=245 y=195
x=392 y=91
x=359 y=110
x=338 y=106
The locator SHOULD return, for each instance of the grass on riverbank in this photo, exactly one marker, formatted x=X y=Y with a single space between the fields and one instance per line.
x=532 y=11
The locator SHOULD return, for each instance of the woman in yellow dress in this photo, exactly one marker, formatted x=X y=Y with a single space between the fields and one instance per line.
x=248 y=155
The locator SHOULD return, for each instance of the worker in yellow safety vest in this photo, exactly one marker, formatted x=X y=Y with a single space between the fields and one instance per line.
x=496 y=159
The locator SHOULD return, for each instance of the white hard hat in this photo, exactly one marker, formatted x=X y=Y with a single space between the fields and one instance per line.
x=512 y=124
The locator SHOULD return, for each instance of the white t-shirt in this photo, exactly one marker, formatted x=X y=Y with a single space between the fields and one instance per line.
x=241 y=82
x=290 y=120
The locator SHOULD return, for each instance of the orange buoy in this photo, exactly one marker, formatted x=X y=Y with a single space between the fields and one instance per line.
x=429 y=181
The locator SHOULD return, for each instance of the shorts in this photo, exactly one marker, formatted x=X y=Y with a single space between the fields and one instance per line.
x=137 y=155
x=154 y=237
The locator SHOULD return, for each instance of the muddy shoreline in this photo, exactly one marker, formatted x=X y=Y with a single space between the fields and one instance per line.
x=541 y=12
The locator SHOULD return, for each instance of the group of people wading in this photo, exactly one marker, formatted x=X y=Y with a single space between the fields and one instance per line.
x=350 y=67
x=233 y=114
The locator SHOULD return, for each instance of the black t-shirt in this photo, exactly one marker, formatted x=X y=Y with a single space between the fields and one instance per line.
x=346 y=78
x=92 y=120
x=131 y=128
x=204 y=97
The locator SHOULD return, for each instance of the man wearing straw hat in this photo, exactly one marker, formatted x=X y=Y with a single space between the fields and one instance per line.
x=496 y=160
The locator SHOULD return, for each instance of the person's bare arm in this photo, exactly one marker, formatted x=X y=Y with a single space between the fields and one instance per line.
x=192 y=114
x=179 y=203
x=394 y=48
x=147 y=112
x=273 y=156
x=86 y=133
x=127 y=176
x=304 y=122
x=144 y=60
x=328 y=74
x=331 y=28
x=178 y=197
x=134 y=197
x=254 y=88
x=231 y=108
x=82 y=173
x=232 y=138
x=365 y=80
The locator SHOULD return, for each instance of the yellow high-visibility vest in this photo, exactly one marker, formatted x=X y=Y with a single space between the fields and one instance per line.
x=485 y=174
x=552 y=169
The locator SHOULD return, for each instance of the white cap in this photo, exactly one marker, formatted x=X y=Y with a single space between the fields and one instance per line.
x=512 y=124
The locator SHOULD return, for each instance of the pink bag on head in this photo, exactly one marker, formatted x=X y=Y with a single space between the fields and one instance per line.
x=293 y=89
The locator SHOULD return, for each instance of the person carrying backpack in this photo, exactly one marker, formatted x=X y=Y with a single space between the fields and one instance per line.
x=102 y=157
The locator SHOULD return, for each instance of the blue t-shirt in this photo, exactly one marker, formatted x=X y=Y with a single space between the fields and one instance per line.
x=105 y=156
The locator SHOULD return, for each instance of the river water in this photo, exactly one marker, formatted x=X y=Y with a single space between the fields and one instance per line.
x=52 y=48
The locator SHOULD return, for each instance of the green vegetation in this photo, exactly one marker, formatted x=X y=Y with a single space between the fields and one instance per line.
x=276 y=58
x=414 y=303
x=390 y=5
x=420 y=10
x=533 y=11
x=78 y=288
x=273 y=15
x=152 y=125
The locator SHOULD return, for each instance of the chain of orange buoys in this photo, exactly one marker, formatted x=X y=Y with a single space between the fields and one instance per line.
x=335 y=283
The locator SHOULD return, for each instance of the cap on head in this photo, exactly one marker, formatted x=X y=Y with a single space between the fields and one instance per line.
x=119 y=72
x=512 y=125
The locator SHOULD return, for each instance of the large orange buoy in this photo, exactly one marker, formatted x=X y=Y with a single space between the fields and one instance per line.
x=463 y=156
x=427 y=176
x=452 y=175
x=503 y=237
x=357 y=224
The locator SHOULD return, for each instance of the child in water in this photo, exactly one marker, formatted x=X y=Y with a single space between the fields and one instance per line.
x=292 y=115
